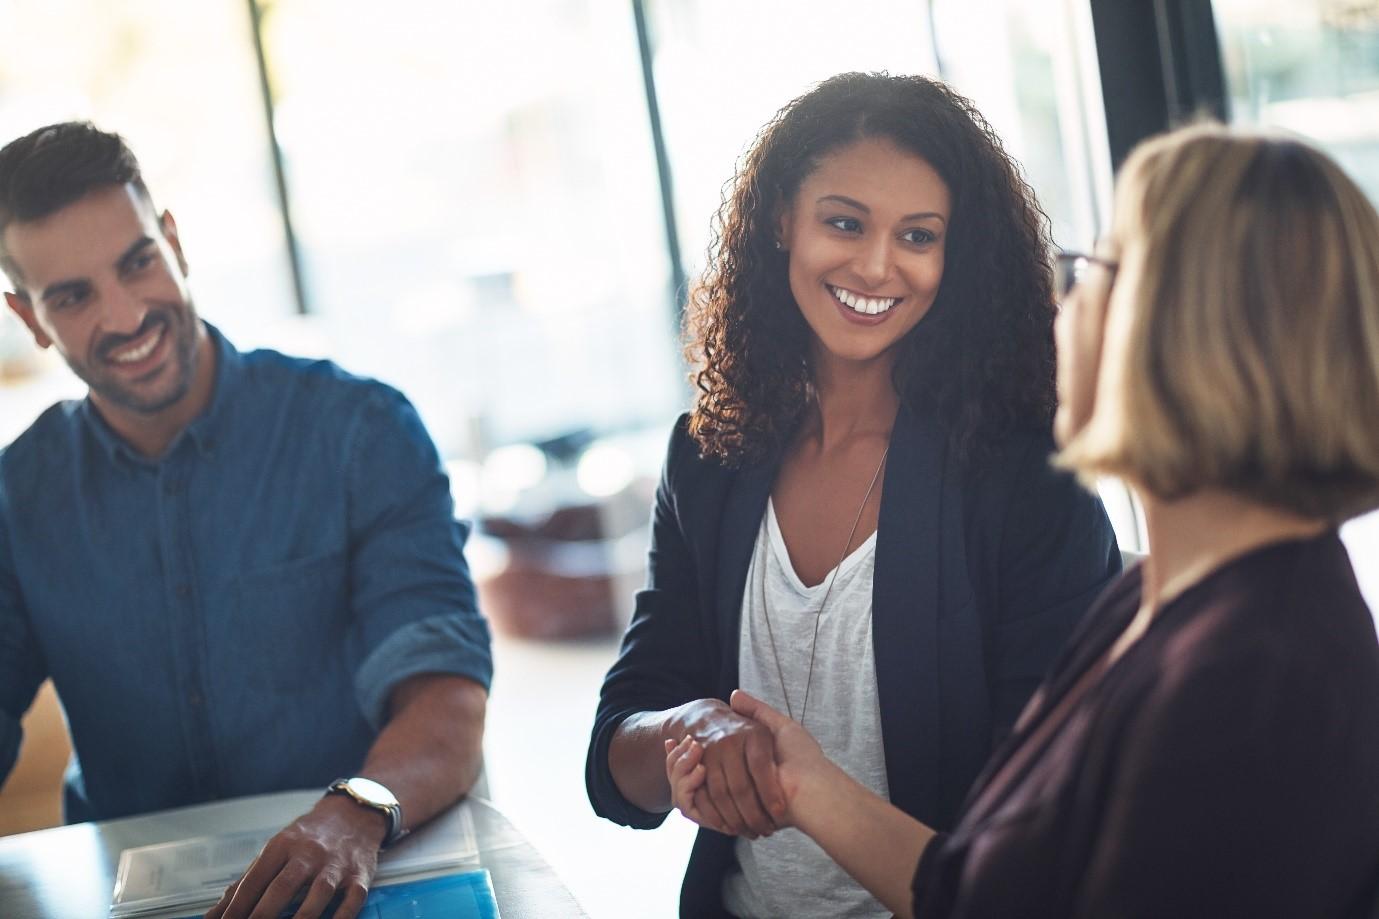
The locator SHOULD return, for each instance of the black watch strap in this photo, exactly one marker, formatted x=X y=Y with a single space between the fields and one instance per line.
x=371 y=794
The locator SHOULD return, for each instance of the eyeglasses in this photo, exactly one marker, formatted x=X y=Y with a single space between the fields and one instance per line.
x=1070 y=268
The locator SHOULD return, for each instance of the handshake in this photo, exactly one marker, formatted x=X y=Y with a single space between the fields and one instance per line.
x=740 y=768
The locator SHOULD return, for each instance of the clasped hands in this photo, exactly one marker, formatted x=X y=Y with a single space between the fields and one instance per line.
x=739 y=768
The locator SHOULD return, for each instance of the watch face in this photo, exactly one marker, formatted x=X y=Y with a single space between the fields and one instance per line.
x=372 y=792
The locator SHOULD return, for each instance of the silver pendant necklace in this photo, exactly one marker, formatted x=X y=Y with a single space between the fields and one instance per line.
x=818 y=617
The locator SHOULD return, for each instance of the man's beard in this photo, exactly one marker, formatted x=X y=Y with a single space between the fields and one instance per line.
x=178 y=321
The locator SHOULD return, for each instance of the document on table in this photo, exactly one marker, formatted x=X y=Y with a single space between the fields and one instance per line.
x=195 y=872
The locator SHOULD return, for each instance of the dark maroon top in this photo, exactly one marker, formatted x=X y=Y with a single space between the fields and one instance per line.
x=1226 y=765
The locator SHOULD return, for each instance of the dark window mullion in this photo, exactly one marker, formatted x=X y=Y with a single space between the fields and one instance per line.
x=275 y=152
x=679 y=291
x=1160 y=65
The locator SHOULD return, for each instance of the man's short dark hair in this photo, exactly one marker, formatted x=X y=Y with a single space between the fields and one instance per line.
x=50 y=168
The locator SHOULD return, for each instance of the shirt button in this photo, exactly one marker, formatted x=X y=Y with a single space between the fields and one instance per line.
x=171 y=488
x=184 y=591
x=195 y=698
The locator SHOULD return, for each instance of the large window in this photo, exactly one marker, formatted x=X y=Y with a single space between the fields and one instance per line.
x=474 y=192
x=475 y=195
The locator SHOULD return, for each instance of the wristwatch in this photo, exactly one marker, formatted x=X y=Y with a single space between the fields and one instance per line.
x=371 y=794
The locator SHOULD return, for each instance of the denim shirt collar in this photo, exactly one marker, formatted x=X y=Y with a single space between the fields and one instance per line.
x=202 y=429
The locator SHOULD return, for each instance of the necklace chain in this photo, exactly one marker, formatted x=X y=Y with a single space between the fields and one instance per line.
x=818 y=617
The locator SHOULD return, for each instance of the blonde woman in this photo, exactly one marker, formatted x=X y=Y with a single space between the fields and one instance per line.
x=1208 y=744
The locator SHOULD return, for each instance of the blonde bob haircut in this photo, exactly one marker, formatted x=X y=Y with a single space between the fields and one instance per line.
x=1241 y=347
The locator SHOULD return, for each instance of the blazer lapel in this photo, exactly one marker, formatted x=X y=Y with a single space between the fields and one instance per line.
x=905 y=598
x=743 y=509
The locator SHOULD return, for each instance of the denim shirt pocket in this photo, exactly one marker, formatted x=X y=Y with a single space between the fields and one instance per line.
x=293 y=621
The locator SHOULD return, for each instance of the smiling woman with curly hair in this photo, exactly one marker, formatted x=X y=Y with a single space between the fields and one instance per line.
x=982 y=359
x=858 y=521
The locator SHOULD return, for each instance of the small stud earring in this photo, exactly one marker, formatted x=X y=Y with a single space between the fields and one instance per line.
x=779 y=246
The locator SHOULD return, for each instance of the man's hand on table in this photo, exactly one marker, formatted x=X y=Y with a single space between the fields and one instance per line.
x=427 y=754
x=330 y=851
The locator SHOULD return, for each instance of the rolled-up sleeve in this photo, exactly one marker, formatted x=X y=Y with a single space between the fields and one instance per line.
x=22 y=668
x=412 y=598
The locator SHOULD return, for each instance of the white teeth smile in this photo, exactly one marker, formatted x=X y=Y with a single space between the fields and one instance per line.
x=869 y=306
x=134 y=355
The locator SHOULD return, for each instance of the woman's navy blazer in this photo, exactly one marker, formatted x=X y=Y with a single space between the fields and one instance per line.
x=980 y=577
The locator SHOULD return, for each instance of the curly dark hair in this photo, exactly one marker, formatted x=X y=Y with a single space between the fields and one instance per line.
x=981 y=360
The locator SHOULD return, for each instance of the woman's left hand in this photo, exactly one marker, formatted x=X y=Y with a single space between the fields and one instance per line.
x=686 y=774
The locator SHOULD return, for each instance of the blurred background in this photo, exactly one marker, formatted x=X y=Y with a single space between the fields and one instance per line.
x=497 y=208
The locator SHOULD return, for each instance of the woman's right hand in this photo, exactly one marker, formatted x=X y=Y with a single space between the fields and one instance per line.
x=739 y=793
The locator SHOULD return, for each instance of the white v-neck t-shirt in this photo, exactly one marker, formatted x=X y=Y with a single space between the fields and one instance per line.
x=787 y=874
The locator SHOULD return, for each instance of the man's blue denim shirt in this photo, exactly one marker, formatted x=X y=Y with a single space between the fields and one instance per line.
x=230 y=618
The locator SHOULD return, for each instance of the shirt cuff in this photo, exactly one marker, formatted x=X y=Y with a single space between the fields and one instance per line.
x=450 y=643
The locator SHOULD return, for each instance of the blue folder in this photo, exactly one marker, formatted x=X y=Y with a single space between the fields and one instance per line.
x=455 y=896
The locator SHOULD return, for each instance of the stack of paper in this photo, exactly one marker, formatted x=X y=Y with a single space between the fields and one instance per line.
x=193 y=873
